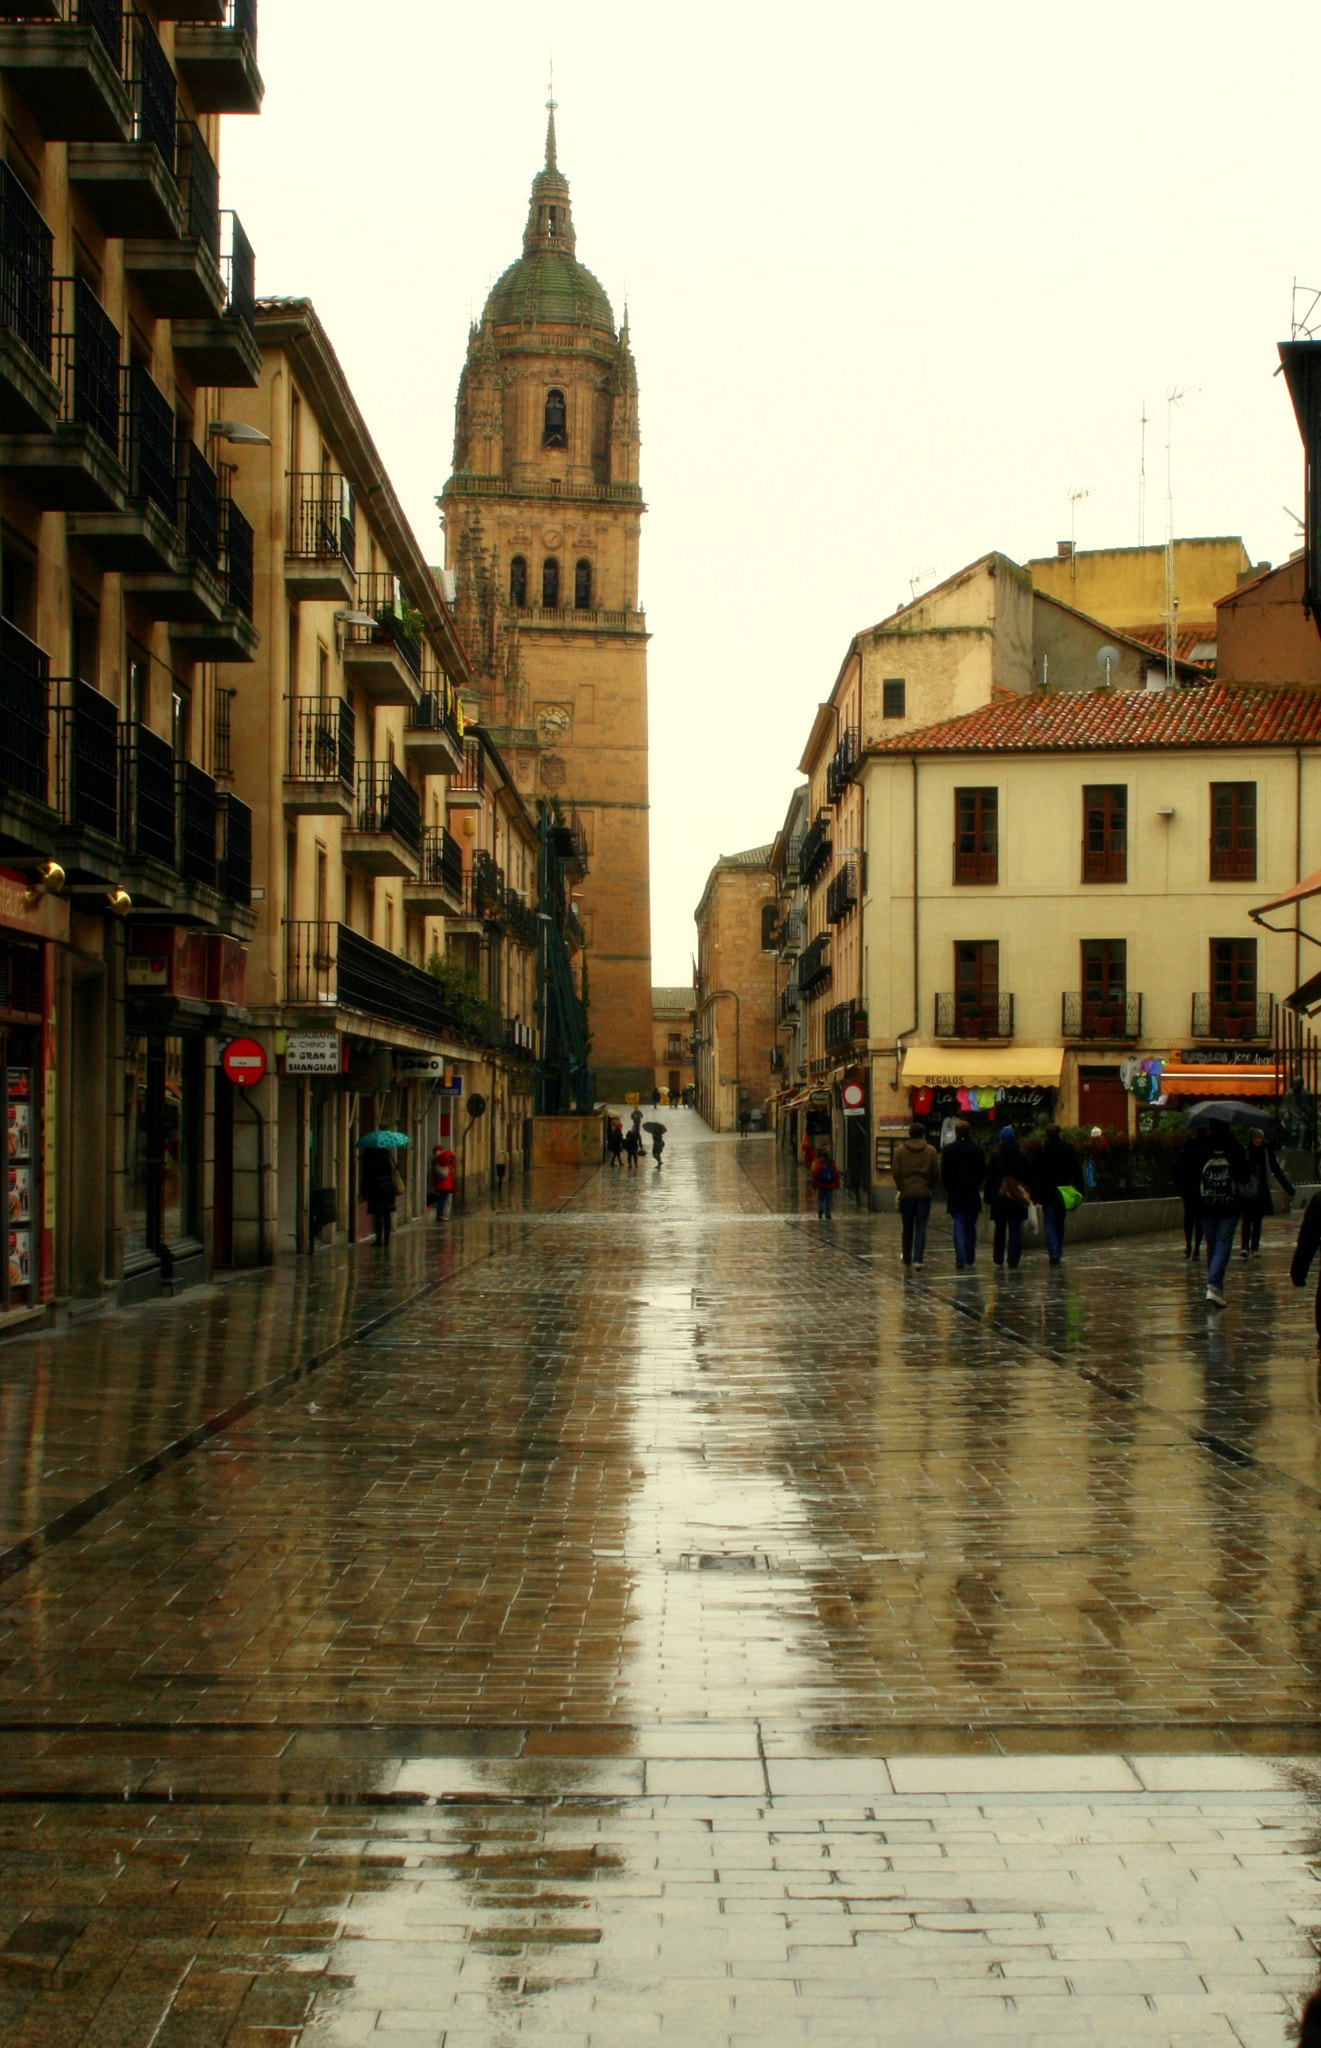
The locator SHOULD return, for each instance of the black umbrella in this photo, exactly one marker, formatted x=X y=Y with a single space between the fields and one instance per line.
x=1222 y=1112
x=657 y=1130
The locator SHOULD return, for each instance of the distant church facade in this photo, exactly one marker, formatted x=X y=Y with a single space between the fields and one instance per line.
x=542 y=517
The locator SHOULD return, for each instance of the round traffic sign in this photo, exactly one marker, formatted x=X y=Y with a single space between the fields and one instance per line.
x=852 y=1095
x=244 y=1062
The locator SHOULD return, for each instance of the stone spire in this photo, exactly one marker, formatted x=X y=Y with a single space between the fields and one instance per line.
x=549 y=220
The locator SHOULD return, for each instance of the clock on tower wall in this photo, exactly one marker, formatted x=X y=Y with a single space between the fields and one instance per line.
x=554 y=723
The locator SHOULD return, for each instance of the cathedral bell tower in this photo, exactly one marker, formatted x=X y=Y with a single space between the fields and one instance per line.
x=542 y=518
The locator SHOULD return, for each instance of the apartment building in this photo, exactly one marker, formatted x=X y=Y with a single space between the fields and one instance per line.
x=127 y=316
x=737 y=987
x=673 y=1022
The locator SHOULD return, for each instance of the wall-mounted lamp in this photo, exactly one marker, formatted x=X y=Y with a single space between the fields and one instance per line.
x=1165 y=810
x=237 y=433
x=48 y=881
x=118 y=902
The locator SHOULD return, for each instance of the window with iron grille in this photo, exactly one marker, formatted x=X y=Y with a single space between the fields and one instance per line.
x=977 y=835
x=1233 y=981
x=894 y=695
x=1104 y=975
x=977 y=980
x=769 y=916
x=1233 y=831
x=1105 y=832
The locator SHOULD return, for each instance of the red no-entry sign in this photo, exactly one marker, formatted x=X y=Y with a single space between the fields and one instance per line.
x=244 y=1062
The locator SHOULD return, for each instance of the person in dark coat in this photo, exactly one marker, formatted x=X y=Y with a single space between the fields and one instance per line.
x=1263 y=1166
x=633 y=1146
x=1054 y=1166
x=1187 y=1180
x=614 y=1141
x=1219 y=1189
x=1309 y=1240
x=1309 y=2030
x=1008 y=1188
x=378 y=1189
x=962 y=1171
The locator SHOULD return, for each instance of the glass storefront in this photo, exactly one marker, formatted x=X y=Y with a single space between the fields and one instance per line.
x=162 y=1108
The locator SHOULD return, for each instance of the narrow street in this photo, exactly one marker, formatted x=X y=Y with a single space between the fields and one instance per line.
x=650 y=1616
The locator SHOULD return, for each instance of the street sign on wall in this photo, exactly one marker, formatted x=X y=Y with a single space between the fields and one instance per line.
x=243 y=1062
x=312 y=1052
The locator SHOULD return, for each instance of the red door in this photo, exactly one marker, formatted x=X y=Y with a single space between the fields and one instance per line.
x=1102 y=1099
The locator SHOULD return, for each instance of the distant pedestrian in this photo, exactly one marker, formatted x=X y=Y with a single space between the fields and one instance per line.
x=1008 y=1190
x=1263 y=1167
x=744 y=1122
x=1188 y=1182
x=808 y=1150
x=655 y=1098
x=916 y=1171
x=614 y=1142
x=442 y=1180
x=636 y=1119
x=633 y=1146
x=1055 y=1165
x=657 y=1145
x=825 y=1179
x=962 y=1171
x=1309 y=1240
x=379 y=1175
x=1219 y=1189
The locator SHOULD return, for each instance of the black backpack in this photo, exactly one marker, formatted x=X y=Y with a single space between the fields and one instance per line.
x=1215 y=1189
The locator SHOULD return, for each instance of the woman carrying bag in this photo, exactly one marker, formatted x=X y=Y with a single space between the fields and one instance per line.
x=1008 y=1183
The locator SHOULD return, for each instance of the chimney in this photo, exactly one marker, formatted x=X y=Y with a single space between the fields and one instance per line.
x=1064 y=550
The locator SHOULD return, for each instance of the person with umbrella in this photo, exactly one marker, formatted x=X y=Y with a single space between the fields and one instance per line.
x=1220 y=1186
x=380 y=1179
x=657 y=1133
x=1263 y=1167
x=633 y=1145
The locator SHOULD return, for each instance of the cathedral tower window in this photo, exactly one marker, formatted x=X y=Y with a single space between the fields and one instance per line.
x=555 y=432
x=550 y=584
x=518 y=580
x=582 y=586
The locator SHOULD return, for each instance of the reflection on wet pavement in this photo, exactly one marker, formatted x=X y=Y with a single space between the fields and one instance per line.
x=657 y=1617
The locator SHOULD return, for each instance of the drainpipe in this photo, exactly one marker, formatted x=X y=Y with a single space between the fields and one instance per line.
x=738 y=1057
x=908 y=1031
x=1298 y=864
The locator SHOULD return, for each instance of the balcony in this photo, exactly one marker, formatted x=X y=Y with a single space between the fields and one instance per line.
x=471 y=779
x=198 y=810
x=816 y=851
x=330 y=967
x=961 y=1018
x=519 y=1039
x=840 y=1026
x=190 y=589
x=76 y=468
x=839 y=772
x=65 y=60
x=129 y=184
x=142 y=536
x=484 y=889
x=431 y=737
x=222 y=350
x=521 y=921
x=29 y=395
x=90 y=780
x=319 y=776
x=234 y=866
x=385 y=658
x=232 y=636
x=318 y=557
x=148 y=796
x=178 y=274
x=791 y=1002
x=789 y=935
x=24 y=717
x=438 y=890
x=1247 y=1017
x=384 y=836
x=793 y=858
x=217 y=58
x=1111 y=1017
x=842 y=895
x=814 y=968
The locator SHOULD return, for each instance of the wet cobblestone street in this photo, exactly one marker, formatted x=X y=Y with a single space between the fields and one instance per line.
x=649 y=1616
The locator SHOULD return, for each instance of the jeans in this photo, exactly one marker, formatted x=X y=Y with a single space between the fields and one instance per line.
x=914 y=1211
x=1052 y=1225
x=1007 y=1241
x=965 y=1236
x=1251 y=1237
x=825 y=1203
x=442 y=1201
x=1219 y=1244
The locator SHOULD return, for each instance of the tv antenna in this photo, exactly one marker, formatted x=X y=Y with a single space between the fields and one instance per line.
x=1305 y=318
x=1144 y=421
x=1075 y=499
x=1174 y=396
x=1107 y=660
x=916 y=578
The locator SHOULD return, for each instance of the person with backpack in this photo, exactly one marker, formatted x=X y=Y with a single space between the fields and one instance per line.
x=1263 y=1167
x=1008 y=1181
x=1220 y=1200
x=825 y=1179
x=962 y=1171
x=1055 y=1166
x=916 y=1170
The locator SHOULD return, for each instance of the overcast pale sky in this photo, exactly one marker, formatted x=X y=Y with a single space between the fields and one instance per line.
x=899 y=277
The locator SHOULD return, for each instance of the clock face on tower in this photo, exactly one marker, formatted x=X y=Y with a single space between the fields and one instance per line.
x=553 y=722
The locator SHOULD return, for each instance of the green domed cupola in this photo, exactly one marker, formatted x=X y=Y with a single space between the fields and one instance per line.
x=548 y=286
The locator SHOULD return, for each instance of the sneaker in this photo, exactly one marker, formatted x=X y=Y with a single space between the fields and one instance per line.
x=917 y=1265
x=1243 y=1252
x=959 y=1267
x=1215 y=1297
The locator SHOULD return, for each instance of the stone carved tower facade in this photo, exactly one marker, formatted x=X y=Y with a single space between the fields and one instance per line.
x=542 y=518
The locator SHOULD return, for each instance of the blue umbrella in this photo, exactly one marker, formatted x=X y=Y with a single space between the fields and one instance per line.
x=381 y=1141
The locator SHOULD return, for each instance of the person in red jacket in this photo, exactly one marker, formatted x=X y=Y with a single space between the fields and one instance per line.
x=442 y=1180
x=825 y=1179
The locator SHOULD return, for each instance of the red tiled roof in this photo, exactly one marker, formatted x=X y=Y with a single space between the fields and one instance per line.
x=1185 y=640
x=1096 y=721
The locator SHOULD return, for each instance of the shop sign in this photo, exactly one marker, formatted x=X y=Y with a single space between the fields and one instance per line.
x=420 y=1066
x=46 y=917
x=819 y=1099
x=1226 y=1056
x=312 y=1052
x=243 y=1062
x=167 y=959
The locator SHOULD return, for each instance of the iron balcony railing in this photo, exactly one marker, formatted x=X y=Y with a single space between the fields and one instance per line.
x=791 y=1001
x=837 y=1025
x=960 y=1018
x=1246 y=1017
x=1084 y=1016
x=574 y=930
x=155 y=94
x=442 y=861
x=793 y=856
x=236 y=546
x=472 y=776
x=814 y=967
x=106 y=17
x=839 y=772
x=90 y=775
x=148 y=798
x=27 y=269
x=149 y=442
x=328 y=965
x=486 y=887
x=238 y=269
x=321 y=740
x=320 y=517
x=379 y=594
x=433 y=712
x=201 y=189
x=388 y=802
x=521 y=919
x=24 y=714
x=199 y=506
x=789 y=934
x=198 y=810
x=87 y=361
x=842 y=895
x=223 y=732
x=234 y=872
x=816 y=851
x=519 y=1038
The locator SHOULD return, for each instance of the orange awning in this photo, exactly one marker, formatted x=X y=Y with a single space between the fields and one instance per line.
x=1222 y=1081
x=1309 y=886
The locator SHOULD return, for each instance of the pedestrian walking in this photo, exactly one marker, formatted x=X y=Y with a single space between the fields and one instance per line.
x=636 y=1119
x=633 y=1147
x=657 y=1145
x=1224 y=1170
x=1188 y=1182
x=380 y=1191
x=614 y=1142
x=825 y=1179
x=744 y=1122
x=1309 y=1241
x=916 y=1172
x=962 y=1171
x=1263 y=1167
x=442 y=1180
x=655 y=1098
x=808 y=1150
x=1008 y=1191
x=1055 y=1166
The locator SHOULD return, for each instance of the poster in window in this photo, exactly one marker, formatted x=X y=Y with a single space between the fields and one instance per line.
x=20 y=1194
x=20 y=1131
x=20 y=1258
x=20 y=1081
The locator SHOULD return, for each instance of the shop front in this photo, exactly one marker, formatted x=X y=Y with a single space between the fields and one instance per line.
x=1236 y=1073
x=1016 y=1085
x=31 y=925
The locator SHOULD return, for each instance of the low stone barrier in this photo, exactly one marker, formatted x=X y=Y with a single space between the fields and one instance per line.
x=1090 y=1224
